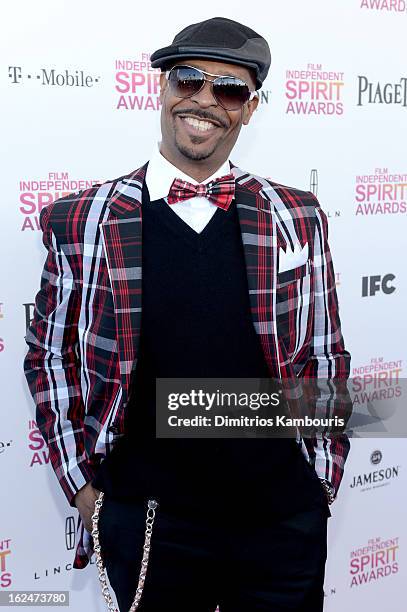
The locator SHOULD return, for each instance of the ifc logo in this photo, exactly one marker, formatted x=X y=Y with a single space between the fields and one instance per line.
x=376 y=457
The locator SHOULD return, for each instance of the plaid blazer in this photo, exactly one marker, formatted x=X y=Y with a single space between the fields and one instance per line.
x=83 y=341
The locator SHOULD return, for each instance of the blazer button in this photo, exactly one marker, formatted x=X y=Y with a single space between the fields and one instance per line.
x=113 y=429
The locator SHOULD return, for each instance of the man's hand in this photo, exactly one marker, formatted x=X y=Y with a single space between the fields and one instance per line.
x=85 y=502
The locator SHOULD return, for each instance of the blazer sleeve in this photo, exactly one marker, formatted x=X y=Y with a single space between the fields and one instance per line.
x=51 y=366
x=327 y=364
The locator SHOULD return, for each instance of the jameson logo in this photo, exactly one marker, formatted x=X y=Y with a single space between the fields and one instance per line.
x=398 y=6
x=375 y=561
x=52 y=76
x=376 y=457
x=376 y=478
x=382 y=192
x=374 y=92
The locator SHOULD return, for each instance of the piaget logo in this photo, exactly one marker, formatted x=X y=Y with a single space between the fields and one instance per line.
x=376 y=92
x=137 y=84
x=314 y=90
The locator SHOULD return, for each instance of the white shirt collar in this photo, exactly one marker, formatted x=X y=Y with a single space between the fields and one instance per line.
x=161 y=174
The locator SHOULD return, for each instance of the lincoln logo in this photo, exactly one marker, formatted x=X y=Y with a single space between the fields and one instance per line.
x=70 y=532
x=314 y=181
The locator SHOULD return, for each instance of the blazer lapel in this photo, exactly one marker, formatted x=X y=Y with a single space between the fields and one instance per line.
x=122 y=237
x=122 y=242
x=259 y=235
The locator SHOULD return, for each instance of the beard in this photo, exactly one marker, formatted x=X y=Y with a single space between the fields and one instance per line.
x=195 y=154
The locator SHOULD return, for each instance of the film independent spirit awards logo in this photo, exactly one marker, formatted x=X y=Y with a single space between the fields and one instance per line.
x=5 y=563
x=396 y=6
x=377 y=381
x=376 y=560
x=380 y=192
x=314 y=90
x=36 y=194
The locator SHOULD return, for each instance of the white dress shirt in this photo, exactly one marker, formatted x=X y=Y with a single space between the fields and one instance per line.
x=161 y=173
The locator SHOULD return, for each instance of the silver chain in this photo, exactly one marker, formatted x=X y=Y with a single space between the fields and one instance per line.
x=152 y=505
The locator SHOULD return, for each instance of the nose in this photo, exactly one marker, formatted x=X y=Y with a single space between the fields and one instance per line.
x=205 y=97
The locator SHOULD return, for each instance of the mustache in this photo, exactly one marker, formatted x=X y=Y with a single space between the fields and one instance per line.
x=202 y=114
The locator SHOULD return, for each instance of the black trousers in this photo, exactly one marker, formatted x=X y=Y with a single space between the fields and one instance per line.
x=213 y=553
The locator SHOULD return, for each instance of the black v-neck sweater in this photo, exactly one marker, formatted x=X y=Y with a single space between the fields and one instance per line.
x=196 y=322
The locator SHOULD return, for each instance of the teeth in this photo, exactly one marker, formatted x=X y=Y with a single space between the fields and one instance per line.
x=202 y=126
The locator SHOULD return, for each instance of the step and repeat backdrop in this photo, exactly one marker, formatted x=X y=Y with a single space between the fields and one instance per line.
x=80 y=104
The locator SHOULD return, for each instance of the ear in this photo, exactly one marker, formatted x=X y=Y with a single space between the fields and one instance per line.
x=249 y=109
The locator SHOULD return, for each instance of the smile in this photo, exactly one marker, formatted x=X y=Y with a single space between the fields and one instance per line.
x=195 y=125
x=202 y=126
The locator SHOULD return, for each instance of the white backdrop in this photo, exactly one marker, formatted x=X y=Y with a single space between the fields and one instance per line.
x=338 y=142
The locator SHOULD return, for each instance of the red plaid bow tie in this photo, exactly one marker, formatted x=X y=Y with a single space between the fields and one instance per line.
x=220 y=191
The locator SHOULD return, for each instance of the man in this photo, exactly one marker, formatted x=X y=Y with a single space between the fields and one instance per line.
x=190 y=267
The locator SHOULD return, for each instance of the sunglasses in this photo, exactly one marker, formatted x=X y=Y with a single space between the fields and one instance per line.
x=230 y=92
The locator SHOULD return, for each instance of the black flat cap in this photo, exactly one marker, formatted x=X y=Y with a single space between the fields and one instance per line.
x=219 y=39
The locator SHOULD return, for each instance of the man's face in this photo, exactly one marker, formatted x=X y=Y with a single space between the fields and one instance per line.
x=215 y=135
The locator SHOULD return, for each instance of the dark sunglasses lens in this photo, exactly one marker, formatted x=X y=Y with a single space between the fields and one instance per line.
x=185 y=82
x=231 y=93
